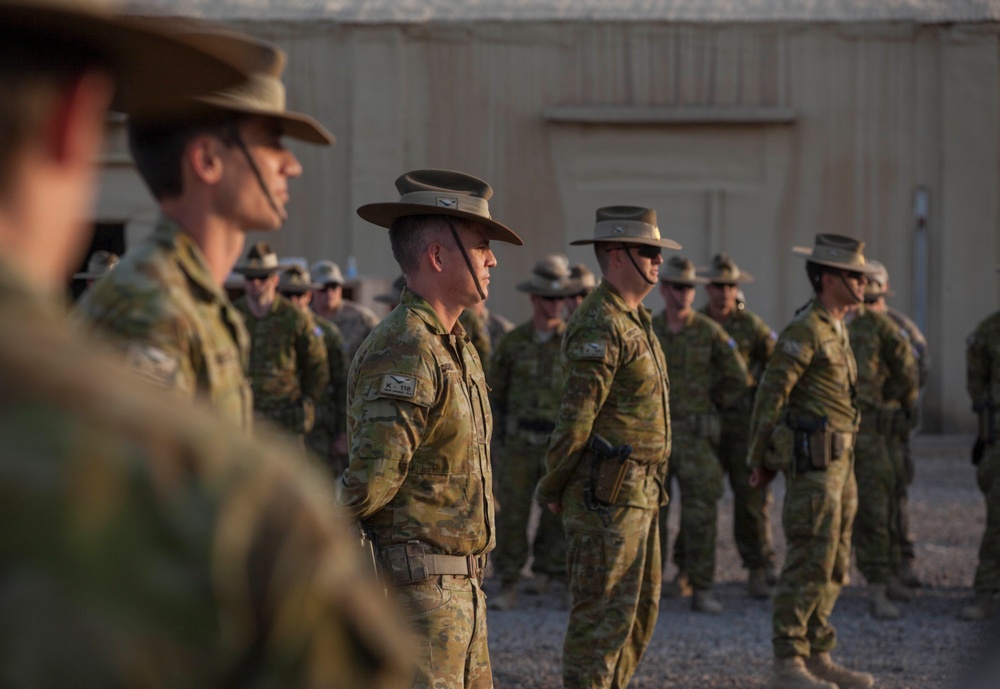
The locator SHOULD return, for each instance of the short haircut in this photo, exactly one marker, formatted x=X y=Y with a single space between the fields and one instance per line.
x=815 y=272
x=410 y=235
x=158 y=149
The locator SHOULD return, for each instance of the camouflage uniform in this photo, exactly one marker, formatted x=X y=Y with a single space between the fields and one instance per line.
x=887 y=391
x=707 y=374
x=476 y=331
x=751 y=506
x=146 y=543
x=496 y=327
x=331 y=408
x=617 y=387
x=526 y=376
x=174 y=324
x=419 y=429
x=355 y=322
x=288 y=364
x=983 y=384
x=811 y=375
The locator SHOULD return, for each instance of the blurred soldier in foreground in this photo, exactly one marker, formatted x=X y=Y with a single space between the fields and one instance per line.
x=982 y=360
x=583 y=283
x=217 y=170
x=614 y=422
x=288 y=359
x=707 y=374
x=526 y=377
x=353 y=320
x=887 y=398
x=805 y=418
x=145 y=543
x=420 y=423
x=328 y=437
x=755 y=342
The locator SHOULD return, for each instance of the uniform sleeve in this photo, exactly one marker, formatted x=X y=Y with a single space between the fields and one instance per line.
x=902 y=383
x=792 y=355
x=977 y=368
x=311 y=354
x=730 y=378
x=590 y=359
x=763 y=348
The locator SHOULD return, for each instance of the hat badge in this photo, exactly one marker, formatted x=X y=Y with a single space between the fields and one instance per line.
x=447 y=201
x=618 y=229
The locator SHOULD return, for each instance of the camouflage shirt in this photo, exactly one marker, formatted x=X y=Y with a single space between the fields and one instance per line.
x=754 y=339
x=982 y=359
x=526 y=376
x=355 y=323
x=616 y=386
x=331 y=408
x=162 y=308
x=706 y=371
x=917 y=342
x=419 y=431
x=147 y=543
x=812 y=374
x=496 y=327
x=476 y=332
x=887 y=370
x=288 y=364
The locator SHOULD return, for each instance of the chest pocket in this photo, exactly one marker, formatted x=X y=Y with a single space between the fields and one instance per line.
x=838 y=361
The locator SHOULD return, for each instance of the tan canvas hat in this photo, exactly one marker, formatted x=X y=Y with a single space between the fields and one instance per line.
x=549 y=278
x=836 y=251
x=158 y=63
x=395 y=294
x=440 y=192
x=582 y=280
x=327 y=273
x=295 y=279
x=261 y=261
x=99 y=263
x=878 y=279
x=724 y=271
x=628 y=225
x=680 y=270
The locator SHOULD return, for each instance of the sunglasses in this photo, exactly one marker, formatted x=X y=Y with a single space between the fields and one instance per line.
x=643 y=250
x=329 y=287
x=550 y=298
x=854 y=275
x=678 y=287
x=255 y=278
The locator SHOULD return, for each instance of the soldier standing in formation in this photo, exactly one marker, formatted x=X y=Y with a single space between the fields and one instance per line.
x=164 y=303
x=982 y=359
x=142 y=535
x=354 y=320
x=616 y=387
x=328 y=437
x=805 y=417
x=288 y=359
x=707 y=374
x=755 y=342
x=526 y=377
x=887 y=398
x=420 y=423
x=583 y=281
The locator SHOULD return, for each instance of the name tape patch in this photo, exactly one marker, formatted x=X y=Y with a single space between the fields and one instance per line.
x=398 y=386
x=153 y=364
x=593 y=350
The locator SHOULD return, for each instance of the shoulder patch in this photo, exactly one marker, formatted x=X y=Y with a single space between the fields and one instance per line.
x=732 y=343
x=153 y=364
x=593 y=350
x=792 y=348
x=904 y=334
x=774 y=336
x=398 y=386
x=318 y=331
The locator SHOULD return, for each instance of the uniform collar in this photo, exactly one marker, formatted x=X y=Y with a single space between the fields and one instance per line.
x=420 y=307
x=640 y=314
x=190 y=257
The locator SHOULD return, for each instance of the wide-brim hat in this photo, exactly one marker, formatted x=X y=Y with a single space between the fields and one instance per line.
x=440 y=192
x=295 y=279
x=549 y=278
x=680 y=270
x=158 y=63
x=836 y=251
x=327 y=273
x=878 y=279
x=261 y=261
x=98 y=265
x=724 y=271
x=628 y=225
x=395 y=295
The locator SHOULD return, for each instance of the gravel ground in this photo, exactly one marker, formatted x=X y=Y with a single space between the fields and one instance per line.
x=927 y=647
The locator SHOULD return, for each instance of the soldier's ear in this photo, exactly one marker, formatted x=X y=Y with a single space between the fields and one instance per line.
x=202 y=156
x=433 y=254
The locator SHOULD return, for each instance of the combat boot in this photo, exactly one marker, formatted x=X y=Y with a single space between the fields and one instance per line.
x=907 y=575
x=896 y=590
x=507 y=600
x=980 y=608
x=791 y=673
x=878 y=601
x=705 y=601
x=680 y=587
x=824 y=667
x=757 y=584
x=539 y=584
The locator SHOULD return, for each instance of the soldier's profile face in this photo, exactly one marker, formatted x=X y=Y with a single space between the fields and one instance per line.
x=277 y=165
x=722 y=297
x=477 y=247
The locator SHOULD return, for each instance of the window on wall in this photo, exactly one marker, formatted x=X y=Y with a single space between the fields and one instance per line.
x=108 y=236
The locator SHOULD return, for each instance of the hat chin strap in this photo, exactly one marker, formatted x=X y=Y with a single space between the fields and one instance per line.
x=628 y=253
x=855 y=298
x=238 y=140
x=468 y=262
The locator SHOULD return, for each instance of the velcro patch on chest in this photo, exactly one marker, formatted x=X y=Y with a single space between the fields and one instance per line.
x=593 y=350
x=153 y=364
x=792 y=348
x=398 y=386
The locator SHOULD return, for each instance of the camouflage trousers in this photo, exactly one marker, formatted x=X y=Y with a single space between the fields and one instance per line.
x=614 y=578
x=519 y=469
x=448 y=617
x=817 y=518
x=696 y=468
x=876 y=528
x=751 y=506
x=988 y=476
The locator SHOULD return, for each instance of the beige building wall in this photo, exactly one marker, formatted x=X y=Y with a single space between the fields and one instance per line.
x=748 y=138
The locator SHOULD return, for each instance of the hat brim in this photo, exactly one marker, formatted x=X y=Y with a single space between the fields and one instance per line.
x=383 y=215
x=529 y=288
x=662 y=243
x=684 y=281
x=259 y=272
x=295 y=125
x=743 y=279
x=806 y=253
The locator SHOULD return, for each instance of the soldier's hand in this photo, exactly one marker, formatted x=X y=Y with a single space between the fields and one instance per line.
x=760 y=477
x=555 y=507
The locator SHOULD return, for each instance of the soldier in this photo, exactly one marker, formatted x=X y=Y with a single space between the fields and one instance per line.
x=982 y=358
x=584 y=283
x=496 y=326
x=141 y=537
x=707 y=374
x=887 y=397
x=475 y=329
x=616 y=388
x=527 y=380
x=420 y=423
x=164 y=304
x=354 y=320
x=328 y=437
x=288 y=358
x=804 y=421
x=99 y=263
x=755 y=342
